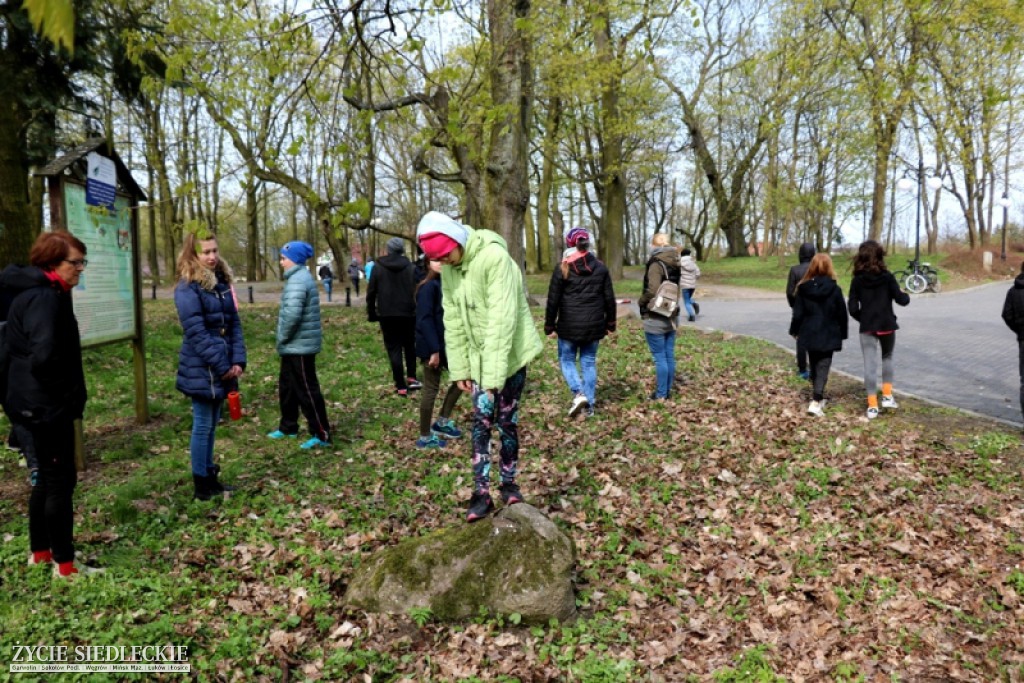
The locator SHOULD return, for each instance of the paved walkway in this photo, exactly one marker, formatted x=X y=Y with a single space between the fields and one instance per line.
x=952 y=348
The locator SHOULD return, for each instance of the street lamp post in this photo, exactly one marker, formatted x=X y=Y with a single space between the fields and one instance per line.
x=906 y=184
x=1004 y=202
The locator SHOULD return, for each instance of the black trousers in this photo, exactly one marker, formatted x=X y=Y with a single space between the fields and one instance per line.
x=400 y=339
x=821 y=364
x=801 y=356
x=298 y=388
x=50 y=512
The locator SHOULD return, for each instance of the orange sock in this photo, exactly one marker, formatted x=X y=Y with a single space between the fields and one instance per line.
x=872 y=401
x=66 y=568
x=42 y=557
x=886 y=389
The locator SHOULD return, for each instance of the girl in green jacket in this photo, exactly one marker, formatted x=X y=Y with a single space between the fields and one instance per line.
x=490 y=337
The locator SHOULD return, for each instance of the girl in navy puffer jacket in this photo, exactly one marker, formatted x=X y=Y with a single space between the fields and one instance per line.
x=212 y=356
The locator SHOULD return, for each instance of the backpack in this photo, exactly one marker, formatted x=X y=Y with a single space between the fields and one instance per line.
x=666 y=300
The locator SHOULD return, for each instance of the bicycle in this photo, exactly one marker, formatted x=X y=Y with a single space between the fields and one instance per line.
x=918 y=277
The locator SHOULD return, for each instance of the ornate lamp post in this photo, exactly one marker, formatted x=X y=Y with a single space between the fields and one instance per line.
x=907 y=184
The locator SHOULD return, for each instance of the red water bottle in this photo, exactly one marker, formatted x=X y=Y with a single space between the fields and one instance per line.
x=235 y=405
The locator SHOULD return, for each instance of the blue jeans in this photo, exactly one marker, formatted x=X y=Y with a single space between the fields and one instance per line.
x=688 y=302
x=327 y=286
x=567 y=351
x=205 y=416
x=663 y=350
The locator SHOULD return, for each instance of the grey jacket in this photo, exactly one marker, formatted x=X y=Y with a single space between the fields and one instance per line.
x=298 y=324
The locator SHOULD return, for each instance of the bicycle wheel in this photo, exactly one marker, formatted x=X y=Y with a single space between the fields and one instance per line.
x=901 y=276
x=916 y=283
x=934 y=284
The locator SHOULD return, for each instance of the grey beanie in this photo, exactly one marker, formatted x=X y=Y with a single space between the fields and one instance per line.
x=396 y=245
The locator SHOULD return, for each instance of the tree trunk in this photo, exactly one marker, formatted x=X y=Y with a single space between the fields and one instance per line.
x=547 y=174
x=16 y=233
x=252 y=247
x=613 y=182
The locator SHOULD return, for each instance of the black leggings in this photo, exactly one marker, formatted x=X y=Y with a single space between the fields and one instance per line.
x=50 y=512
x=400 y=339
x=821 y=363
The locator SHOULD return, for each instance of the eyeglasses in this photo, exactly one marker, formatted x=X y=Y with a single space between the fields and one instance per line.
x=77 y=263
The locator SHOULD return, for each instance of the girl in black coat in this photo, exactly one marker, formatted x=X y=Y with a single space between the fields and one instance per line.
x=580 y=312
x=872 y=292
x=46 y=388
x=819 y=323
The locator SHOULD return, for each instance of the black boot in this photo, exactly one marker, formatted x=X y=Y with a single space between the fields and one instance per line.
x=215 y=485
x=203 y=490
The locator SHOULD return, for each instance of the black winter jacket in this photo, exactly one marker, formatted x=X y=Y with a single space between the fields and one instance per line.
x=1013 y=308
x=870 y=303
x=430 y=322
x=46 y=383
x=797 y=272
x=390 y=292
x=819 y=315
x=581 y=307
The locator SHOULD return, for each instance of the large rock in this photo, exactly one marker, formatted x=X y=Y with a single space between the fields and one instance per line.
x=515 y=561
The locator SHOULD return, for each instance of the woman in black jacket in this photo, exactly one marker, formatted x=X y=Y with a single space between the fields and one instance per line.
x=580 y=312
x=46 y=388
x=819 y=324
x=872 y=292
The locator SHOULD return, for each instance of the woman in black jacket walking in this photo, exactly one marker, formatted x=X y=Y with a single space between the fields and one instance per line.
x=580 y=312
x=872 y=292
x=46 y=388
x=819 y=324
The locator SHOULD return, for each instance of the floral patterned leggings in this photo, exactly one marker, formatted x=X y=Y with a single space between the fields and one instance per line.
x=501 y=410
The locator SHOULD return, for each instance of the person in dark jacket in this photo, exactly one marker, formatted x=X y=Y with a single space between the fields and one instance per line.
x=580 y=312
x=1013 y=316
x=389 y=301
x=820 y=324
x=327 y=277
x=430 y=351
x=355 y=274
x=299 y=339
x=872 y=293
x=212 y=355
x=46 y=390
x=796 y=275
x=659 y=330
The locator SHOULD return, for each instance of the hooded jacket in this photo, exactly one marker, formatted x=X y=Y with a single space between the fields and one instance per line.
x=581 y=307
x=797 y=272
x=689 y=271
x=870 y=303
x=46 y=382
x=390 y=292
x=489 y=332
x=653 y=276
x=819 y=315
x=212 y=337
x=1013 y=308
x=299 y=332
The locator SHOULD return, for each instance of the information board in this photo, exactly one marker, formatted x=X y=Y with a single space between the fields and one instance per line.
x=105 y=295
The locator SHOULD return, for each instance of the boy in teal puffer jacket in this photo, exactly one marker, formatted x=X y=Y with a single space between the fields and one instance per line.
x=299 y=338
x=490 y=337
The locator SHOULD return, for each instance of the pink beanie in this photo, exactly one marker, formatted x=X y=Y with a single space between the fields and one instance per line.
x=437 y=245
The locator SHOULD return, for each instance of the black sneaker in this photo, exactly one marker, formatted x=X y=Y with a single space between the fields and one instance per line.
x=510 y=494
x=480 y=505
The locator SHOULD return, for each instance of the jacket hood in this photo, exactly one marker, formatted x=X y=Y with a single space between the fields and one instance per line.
x=394 y=262
x=806 y=252
x=667 y=255
x=820 y=287
x=1018 y=282
x=19 y=278
x=479 y=240
x=584 y=265
x=871 y=280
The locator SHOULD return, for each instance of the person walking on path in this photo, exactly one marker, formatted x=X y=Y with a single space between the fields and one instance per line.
x=820 y=323
x=389 y=301
x=659 y=330
x=796 y=275
x=490 y=337
x=46 y=389
x=355 y=274
x=689 y=272
x=872 y=293
x=327 y=277
x=580 y=312
x=1013 y=316
x=368 y=268
x=212 y=356
x=299 y=339
x=431 y=352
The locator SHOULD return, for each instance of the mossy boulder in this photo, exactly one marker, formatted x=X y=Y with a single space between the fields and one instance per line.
x=513 y=562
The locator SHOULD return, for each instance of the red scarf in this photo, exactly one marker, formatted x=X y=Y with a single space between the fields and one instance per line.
x=52 y=276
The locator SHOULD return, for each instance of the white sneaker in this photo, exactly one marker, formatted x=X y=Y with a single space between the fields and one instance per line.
x=816 y=409
x=872 y=413
x=889 y=403
x=578 y=404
